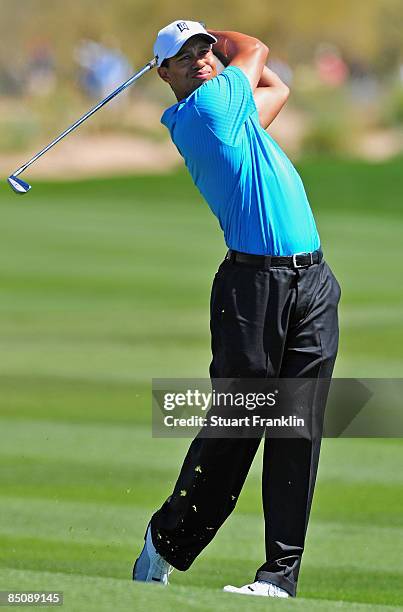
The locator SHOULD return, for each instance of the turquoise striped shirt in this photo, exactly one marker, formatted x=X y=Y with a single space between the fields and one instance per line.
x=245 y=177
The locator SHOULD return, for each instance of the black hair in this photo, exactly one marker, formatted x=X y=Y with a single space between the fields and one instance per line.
x=165 y=63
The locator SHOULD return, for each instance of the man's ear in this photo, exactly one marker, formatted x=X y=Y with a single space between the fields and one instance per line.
x=164 y=74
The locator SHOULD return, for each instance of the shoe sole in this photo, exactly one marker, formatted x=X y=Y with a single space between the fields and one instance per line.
x=230 y=589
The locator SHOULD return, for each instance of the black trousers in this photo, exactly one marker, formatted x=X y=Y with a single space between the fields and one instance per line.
x=264 y=323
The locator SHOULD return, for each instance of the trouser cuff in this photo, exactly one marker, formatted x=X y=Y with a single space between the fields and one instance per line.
x=279 y=580
x=164 y=547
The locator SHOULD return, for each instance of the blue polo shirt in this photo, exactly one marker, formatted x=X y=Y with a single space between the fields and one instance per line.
x=247 y=180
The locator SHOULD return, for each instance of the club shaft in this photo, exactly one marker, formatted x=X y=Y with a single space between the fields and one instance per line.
x=93 y=110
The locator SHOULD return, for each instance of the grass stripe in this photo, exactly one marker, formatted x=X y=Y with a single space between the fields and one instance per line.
x=101 y=524
x=111 y=561
x=103 y=594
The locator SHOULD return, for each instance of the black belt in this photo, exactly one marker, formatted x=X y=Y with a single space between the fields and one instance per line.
x=299 y=260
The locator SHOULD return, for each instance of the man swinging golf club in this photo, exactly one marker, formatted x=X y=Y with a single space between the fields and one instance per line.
x=273 y=304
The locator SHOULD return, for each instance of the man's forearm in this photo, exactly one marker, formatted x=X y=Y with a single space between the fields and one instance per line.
x=271 y=79
x=230 y=44
x=268 y=77
x=270 y=96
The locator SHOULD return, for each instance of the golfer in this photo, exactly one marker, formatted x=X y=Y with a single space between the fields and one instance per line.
x=273 y=303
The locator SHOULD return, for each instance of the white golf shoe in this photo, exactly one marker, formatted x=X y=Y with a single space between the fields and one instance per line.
x=259 y=588
x=150 y=566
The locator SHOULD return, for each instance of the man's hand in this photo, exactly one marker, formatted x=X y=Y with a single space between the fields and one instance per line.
x=270 y=96
x=246 y=52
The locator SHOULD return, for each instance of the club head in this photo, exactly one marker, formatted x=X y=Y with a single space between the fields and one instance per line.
x=17 y=185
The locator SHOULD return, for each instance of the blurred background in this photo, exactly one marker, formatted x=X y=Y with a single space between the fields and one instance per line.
x=344 y=65
x=105 y=275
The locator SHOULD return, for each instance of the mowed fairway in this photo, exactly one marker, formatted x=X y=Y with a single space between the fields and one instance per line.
x=105 y=285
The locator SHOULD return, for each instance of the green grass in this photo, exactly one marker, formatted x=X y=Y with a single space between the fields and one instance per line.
x=104 y=285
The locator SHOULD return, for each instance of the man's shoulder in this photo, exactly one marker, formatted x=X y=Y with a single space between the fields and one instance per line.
x=222 y=105
x=168 y=115
x=230 y=79
x=230 y=73
x=178 y=114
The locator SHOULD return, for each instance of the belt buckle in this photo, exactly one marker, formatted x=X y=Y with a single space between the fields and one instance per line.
x=294 y=259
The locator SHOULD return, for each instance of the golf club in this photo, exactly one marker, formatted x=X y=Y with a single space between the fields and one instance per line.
x=19 y=186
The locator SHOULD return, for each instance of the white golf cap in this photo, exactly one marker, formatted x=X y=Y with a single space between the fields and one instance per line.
x=171 y=38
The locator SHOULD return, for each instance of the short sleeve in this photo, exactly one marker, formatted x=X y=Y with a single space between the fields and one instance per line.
x=225 y=103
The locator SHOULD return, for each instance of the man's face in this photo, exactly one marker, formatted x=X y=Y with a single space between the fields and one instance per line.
x=192 y=66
